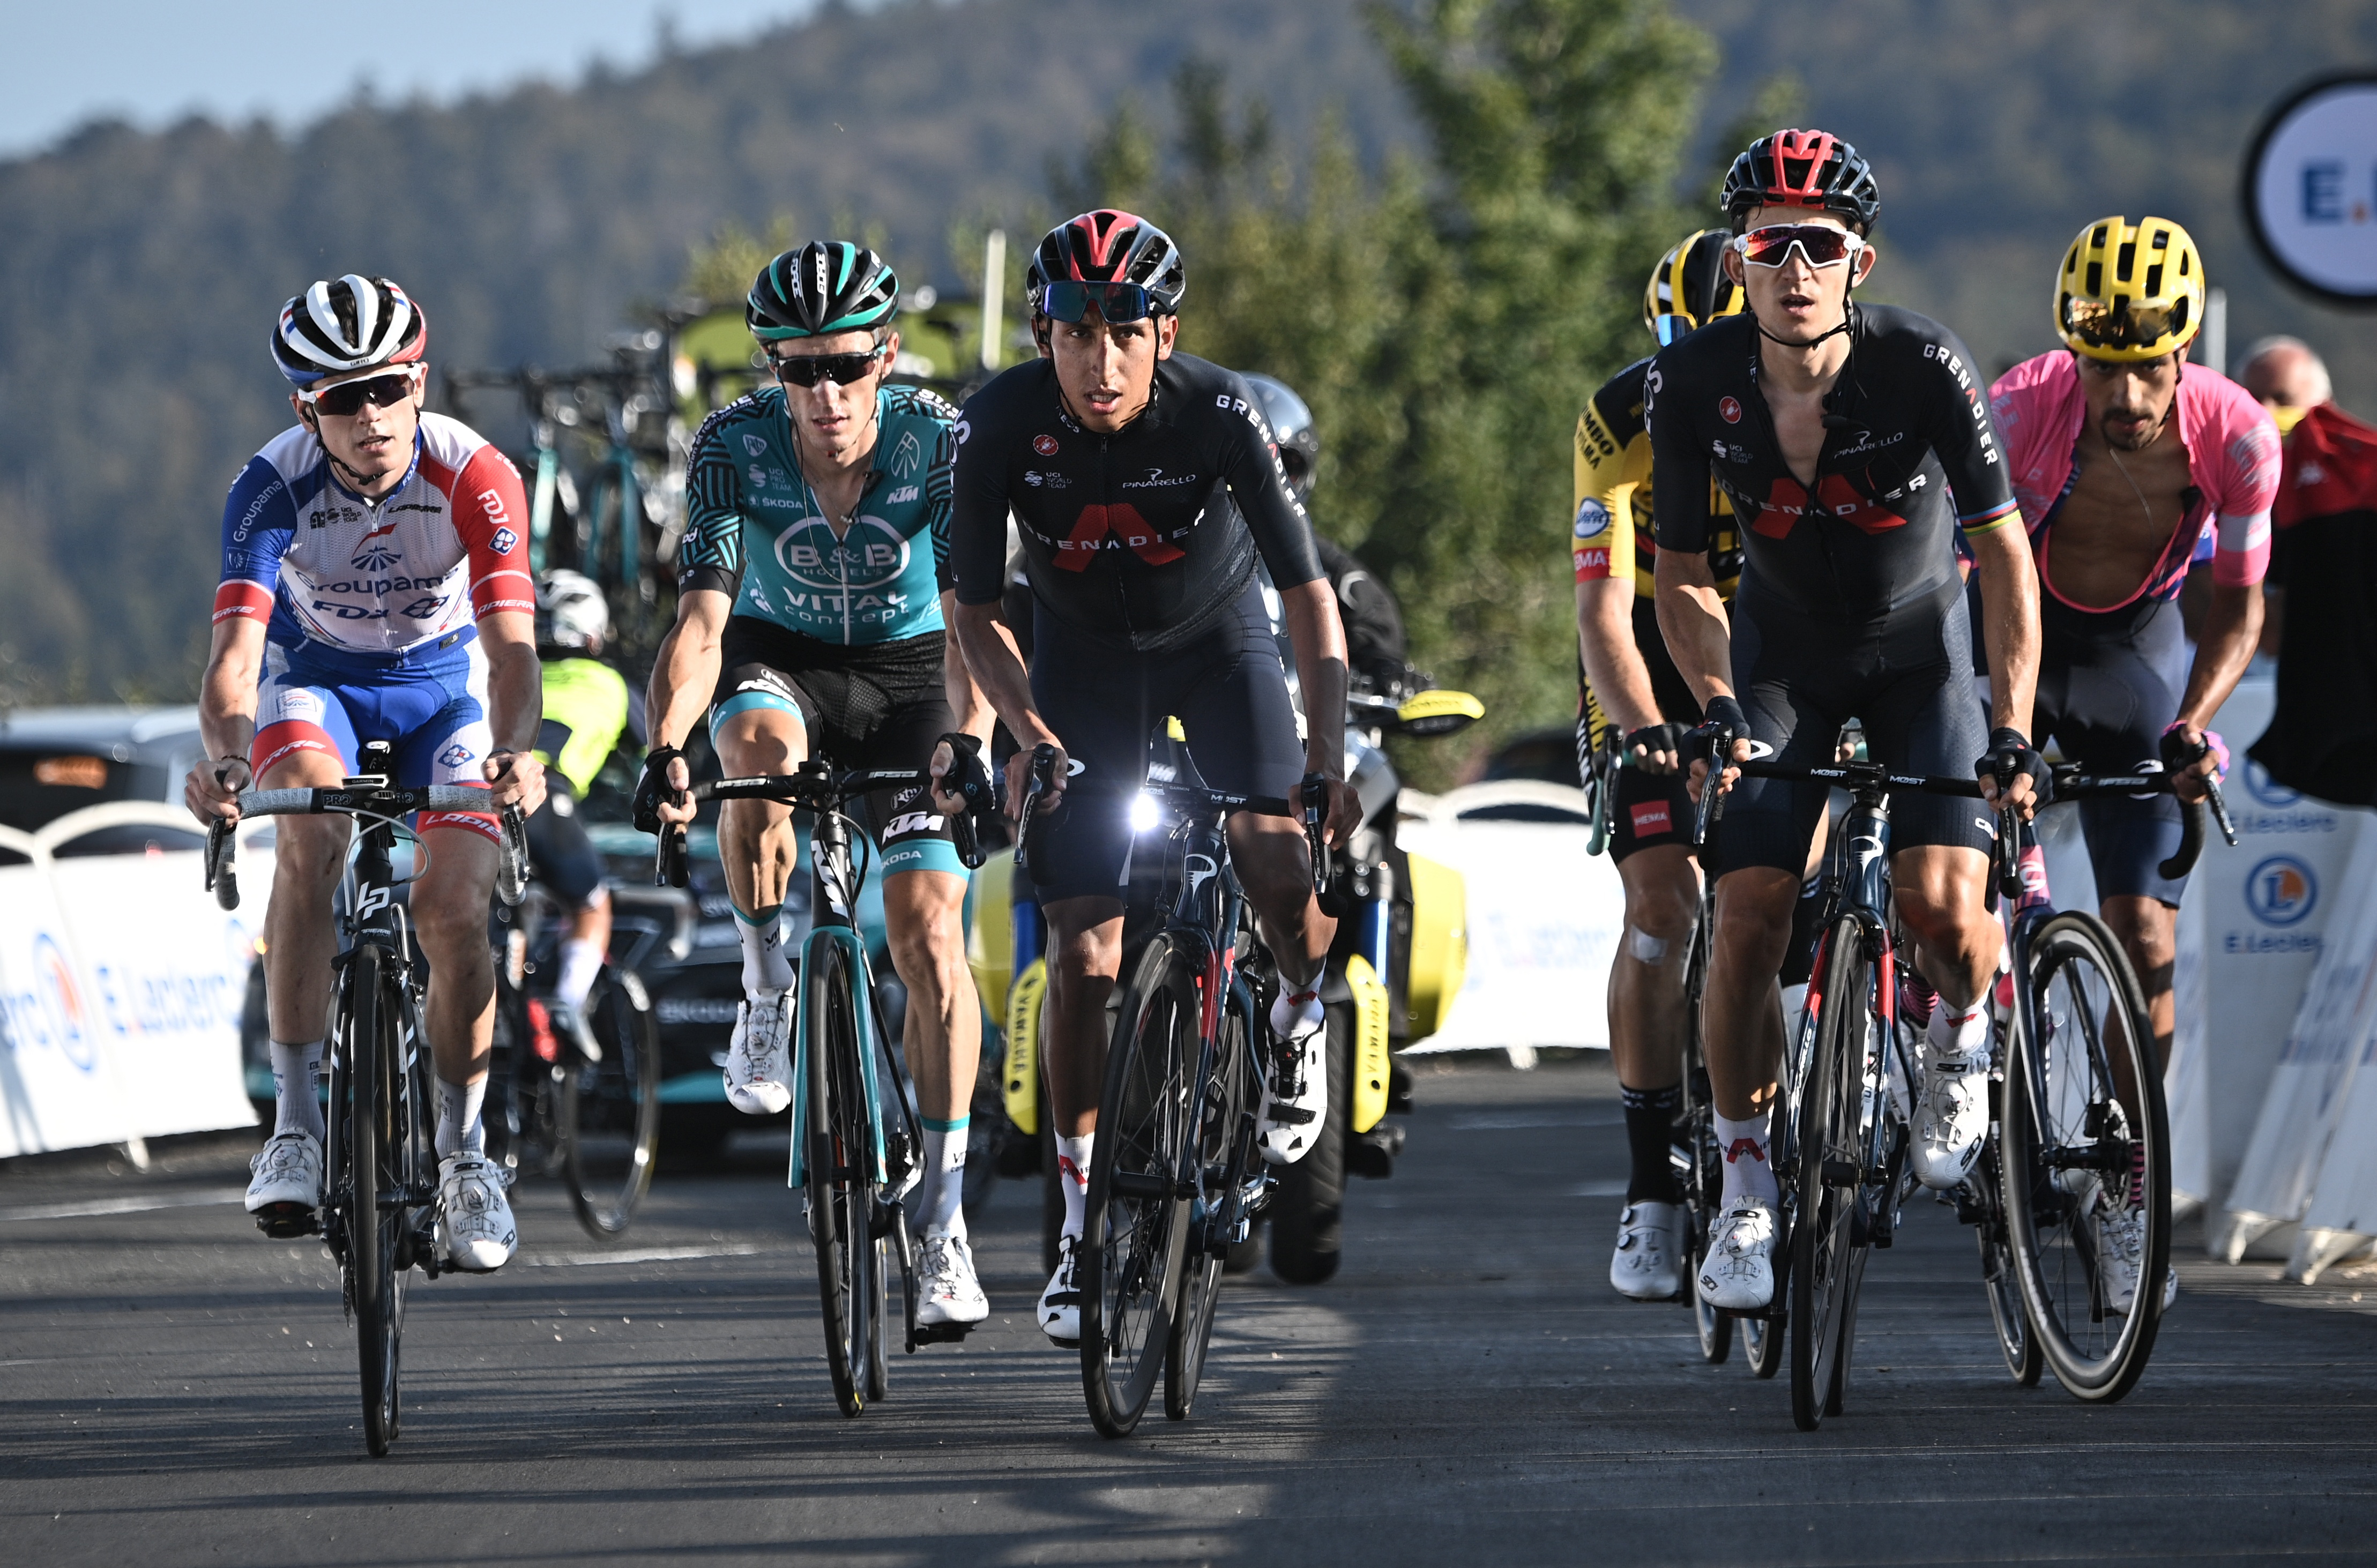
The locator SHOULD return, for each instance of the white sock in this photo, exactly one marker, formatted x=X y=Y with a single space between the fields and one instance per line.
x=296 y=1101
x=765 y=965
x=1073 y=1175
x=579 y=960
x=1747 y=1171
x=941 y=1205
x=1952 y=1033
x=460 y=1126
x=1296 y=1011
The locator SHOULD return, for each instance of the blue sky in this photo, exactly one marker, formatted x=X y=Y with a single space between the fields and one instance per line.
x=151 y=62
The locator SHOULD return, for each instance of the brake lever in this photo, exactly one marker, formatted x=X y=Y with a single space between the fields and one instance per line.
x=668 y=861
x=1711 y=810
x=1315 y=790
x=222 y=872
x=2219 y=805
x=1044 y=771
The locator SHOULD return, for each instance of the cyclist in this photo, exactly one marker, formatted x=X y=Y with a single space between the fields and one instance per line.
x=587 y=709
x=374 y=588
x=1629 y=688
x=810 y=622
x=1144 y=485
x=2125 y=461
x=1836 y=431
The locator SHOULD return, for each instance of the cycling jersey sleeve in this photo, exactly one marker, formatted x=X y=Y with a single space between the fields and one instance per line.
x=1965 y=438
x=977 y=525
x=1602 y=538
x=1679 y=470
x=259 y=517
x=489 y=508
x=2246 y=476
x=940 y=487
x=711 y=553
x=1249 y=464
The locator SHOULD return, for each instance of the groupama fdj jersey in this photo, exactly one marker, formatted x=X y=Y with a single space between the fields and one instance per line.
x=756 y=531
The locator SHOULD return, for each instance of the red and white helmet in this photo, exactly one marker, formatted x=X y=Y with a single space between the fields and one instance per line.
x=348 y=324
x=1108 y=246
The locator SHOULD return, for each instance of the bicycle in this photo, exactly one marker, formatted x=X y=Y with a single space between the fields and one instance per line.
x=592 y=1118
x=1175 y=1178
x=855 y=1148
x=2079 y=1125
x=379 y=1217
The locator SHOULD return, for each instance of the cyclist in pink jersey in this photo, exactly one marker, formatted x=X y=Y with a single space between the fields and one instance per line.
x=375 y=588
x=2128 y=460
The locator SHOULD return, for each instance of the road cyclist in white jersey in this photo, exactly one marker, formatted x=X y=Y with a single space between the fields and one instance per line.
x=374 y=587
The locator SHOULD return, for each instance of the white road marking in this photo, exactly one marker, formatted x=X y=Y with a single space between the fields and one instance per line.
x=212 y=1196
x=644 y=1254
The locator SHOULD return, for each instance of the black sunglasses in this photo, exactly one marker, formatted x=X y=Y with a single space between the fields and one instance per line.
x=349 y=396
x=807 y=370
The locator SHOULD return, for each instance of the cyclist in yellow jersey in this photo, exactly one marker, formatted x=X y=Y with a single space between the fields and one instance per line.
x=1631 y=698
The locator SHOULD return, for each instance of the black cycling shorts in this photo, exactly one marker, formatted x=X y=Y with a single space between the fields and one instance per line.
x=2109 y=685
x=562 y=858
x=874 y=704
x=1226 y=686
x=1904 y=675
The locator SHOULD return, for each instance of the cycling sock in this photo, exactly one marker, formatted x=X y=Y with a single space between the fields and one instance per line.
x=941 y=1205
x=1073 y=1176
x=766 y=967
x=1747 y=1173
x=579 y=960
x=1958 y=1032
x=1296 y=1011
x=296 y=1101
x=460 y=1126
x=2137 y=1174
x=1650 y=1133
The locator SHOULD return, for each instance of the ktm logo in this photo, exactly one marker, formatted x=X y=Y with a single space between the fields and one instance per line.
x=1109 y=527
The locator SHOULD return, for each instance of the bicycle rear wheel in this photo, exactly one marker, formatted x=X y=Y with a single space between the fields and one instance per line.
x=2076 y=1156
x=377 y=1141
x=1224 y=1150
x=611 y=1109
x=1138 y=1216
x=839 y=1171
x=1699 y=1168
x=1826 y=1175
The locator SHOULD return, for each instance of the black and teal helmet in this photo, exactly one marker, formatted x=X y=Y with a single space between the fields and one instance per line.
x=825 y=287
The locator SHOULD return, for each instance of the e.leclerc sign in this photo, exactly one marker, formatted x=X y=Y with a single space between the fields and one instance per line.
x=2310 y=188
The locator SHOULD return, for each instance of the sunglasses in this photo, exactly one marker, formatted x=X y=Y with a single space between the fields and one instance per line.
x=807 y=370
x=1819 y=244
x=1069 y=301
x=2103 y=326
x=349 y=396
x=1669 y=328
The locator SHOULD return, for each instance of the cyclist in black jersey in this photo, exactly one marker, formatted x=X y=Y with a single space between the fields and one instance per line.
x=1143 y=485
x=1852 y=442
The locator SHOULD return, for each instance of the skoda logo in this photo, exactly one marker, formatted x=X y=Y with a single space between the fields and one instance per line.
x=2281 y=891
x=870 y=555
x=2266 y=789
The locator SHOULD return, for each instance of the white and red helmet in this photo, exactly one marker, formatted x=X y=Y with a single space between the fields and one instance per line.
x=345 y=324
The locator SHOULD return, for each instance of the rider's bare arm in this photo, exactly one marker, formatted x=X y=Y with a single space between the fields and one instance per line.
x=1319 y=637
x=2010 y=628
x=685 y=672
x=1605 y=637
x=968 y=705
x=2232 y=629
x=1692 y=619
x=226 y=716
x=515 y=707
x=996 y=666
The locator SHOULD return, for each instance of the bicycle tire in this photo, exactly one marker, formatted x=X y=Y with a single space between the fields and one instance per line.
x=2009 y=1319
x=1307 y=1213
x=1830 y=1114
x=1130 y=1250
x=1224 y=1152
x=1762 y=1343
x=2053 y=1094
x=376 y=1218
x=1700 y=1166
x=838 y=1173
x=611 y=1109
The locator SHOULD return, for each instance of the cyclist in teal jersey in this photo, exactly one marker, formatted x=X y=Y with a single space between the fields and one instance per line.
x=810 y=623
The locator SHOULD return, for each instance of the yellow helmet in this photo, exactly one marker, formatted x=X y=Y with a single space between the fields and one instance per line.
x=2130 y=292
x=1689 y=289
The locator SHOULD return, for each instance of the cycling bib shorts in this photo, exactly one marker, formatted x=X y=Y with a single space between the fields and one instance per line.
x=2108 y=688
x=562 y=856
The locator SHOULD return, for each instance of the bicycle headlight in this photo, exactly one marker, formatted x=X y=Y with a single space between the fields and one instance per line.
x=1144 y=813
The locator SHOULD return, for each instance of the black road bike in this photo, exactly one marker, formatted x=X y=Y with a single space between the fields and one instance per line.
x=380 y=1218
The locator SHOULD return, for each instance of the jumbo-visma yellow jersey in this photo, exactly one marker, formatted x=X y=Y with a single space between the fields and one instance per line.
x=1614 y=533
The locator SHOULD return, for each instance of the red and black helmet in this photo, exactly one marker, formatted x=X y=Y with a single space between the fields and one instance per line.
x=1107 y=247
x=1813 y=169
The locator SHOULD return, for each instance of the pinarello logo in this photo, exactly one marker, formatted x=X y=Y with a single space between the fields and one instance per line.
x=1729 y=409
x=1045 y=445
x=2281 y=891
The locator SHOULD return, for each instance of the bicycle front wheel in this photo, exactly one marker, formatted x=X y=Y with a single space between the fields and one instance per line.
x=840 y=1174
x=2086 y=1146
x=1226 y=1136
x=1138 y=1215
x=1826 y=1260
x=611 y=1109
x=377 y=1216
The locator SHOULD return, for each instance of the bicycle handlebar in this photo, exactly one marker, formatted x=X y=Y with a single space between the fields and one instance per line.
x=817 y=787
x=1846 y=775
x=369 y=800
x=2072 y=784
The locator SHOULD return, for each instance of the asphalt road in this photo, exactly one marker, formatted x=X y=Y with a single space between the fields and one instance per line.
x=175 y=1389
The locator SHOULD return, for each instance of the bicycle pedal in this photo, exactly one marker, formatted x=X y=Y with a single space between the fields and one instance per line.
x=937 y=1333
x=287 y=1222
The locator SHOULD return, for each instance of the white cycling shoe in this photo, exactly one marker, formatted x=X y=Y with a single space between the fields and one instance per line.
x=474 y=1214
x=1951 y=1117
x=1646 y=1266
x=950 y=1291
x=1060 y=1305
x=760 y=1057
x=288 y=1174
x=2120 y=1256
x=1295 y=1099
x=1739 y=1273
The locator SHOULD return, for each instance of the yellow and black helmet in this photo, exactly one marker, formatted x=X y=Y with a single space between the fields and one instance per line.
x=2129 y=291
x=1689 y=289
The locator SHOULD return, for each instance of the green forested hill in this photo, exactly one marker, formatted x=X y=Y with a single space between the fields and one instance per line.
x=138 y=271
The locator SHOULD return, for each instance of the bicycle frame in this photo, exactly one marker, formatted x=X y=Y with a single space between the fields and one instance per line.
x=832 y=924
